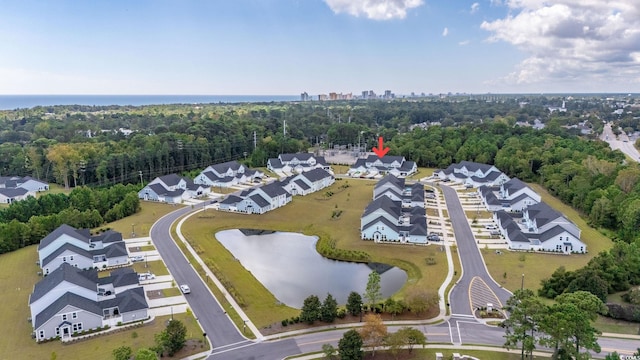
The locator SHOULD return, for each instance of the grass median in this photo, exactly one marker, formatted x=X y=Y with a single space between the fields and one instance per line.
x=311 y=215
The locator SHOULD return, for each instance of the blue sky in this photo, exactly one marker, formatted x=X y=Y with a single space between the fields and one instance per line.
x=255 y=47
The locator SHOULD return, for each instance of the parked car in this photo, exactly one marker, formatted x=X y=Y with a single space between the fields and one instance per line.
x=495 y=232
x=490 y=226
x=146 y=276
x=185 y=289
x=137 y=258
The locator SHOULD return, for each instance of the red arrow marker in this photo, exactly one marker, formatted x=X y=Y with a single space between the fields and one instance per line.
x=380 y=150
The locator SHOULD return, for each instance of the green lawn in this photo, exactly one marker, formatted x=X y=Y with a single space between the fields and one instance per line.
x=15 y=287
x=155 y=267
x=313 y=217
x=422 y=172
x=610 y=325
x=539 y=266
x=150 y=212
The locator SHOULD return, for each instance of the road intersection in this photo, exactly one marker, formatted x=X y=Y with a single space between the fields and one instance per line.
x=460 y=328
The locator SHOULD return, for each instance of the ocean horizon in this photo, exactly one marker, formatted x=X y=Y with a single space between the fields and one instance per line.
x=13 y=102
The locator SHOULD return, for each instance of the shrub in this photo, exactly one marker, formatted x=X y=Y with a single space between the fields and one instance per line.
x=285 y=322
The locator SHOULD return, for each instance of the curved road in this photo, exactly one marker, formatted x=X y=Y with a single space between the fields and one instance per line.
x=472 y=263
x=229 y=344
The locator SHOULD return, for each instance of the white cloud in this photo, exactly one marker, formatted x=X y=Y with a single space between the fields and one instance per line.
x=465 y=42
x=572 y=40
x=495 y=2
x=445 y=32
x=374 y=9
x=475 y=7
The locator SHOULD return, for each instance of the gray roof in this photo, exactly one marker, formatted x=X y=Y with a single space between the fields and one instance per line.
x=385 y=203
x=171 y=179
x=231 y=200
x=273 y=189
x=514 y=185
x=302 y=184
x=393 y=191
x=299 y=156
x=359 y=163
x=13 y=192
x=225 y=166
x=259 y=200
x=211 y=175
x=76 y=250
x=66 y=272
x=68 y=299
x=474 y=166
x=127 y=301
x=108 y=236
x=191 y=185
x=383 y=220
x=387 y=159
x=62 y=230
x=316 y=174
x=542 y=213
x=390 y=179
x=549 y=234
x=275 y=163
x=407 y=165
x=118 y=249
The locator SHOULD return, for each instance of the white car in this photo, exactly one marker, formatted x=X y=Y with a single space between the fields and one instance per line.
x=185 y=289
x=137 y=258
x=146 y=276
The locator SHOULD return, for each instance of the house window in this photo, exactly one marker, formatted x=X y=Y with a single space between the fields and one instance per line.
x=74 y=315
x=560 y=238
x=558 y=247
x=71 y=257
x=64 y=317
x=57 y=331
x=77 y=327
x=64 y=258
x=41 y=334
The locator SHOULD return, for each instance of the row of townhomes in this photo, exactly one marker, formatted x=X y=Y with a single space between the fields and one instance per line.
x=288 y=164
x=523 y=219
x=71 y=298
x=374 y=166
x=271 y=196
x=16 y=188
x=472 y=174
x=396 y=214
x=227 y=175
x=173 y=189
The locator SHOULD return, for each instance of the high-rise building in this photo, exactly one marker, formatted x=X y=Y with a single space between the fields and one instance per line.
x=304 y=96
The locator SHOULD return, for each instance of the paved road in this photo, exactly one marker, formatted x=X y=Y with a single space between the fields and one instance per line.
x=216 y=324
x=621 y=143
x=470 y=257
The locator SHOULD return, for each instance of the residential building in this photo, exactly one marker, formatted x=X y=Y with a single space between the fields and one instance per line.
x=472 y=174
x=78 y=248
x=71 y=300
x=172 y=188
x=541 y=228
x=296 y=163
x=391 y=216
x=374 y=166
x=227 y=174
x=27 y=182
x=513 y=195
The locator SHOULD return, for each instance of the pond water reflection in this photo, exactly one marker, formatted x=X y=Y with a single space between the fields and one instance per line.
x=290 y=267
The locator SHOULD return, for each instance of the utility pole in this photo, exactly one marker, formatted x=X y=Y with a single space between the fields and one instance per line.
x=140 y=173
x=255 y=141
x=284 y=128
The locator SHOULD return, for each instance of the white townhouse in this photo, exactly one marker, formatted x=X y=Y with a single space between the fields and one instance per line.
x=172 y=189
x=472 y=174
x=374 y=165
x=396 y=189
x=308 y=182
x=70 y=300
x=540 y=228
x=227 y=174
x=513 y=195
x=297 y=163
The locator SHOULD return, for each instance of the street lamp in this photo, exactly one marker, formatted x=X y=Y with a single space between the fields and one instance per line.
x=522 y=282
x=133 y=230
x=244 y=326
x=146 y=260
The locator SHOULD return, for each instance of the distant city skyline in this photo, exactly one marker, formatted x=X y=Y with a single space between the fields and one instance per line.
x=287 y=47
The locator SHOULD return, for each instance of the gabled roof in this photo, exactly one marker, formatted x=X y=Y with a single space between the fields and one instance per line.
x=231 y=200
x=474 y=166
x=551 y=233
x=13 y=192
x=259 y=200
x=76 y=250
x=303 y=185
x=407 y=165
x=123 y=277
x=393 y=191
x=29 y=178
x=66 y=272
x=275 y=163
x=62 y=230
x=211 y=175
x=390 y=179
x=108 y=236
x=170 y=180
x=273 y=189
x=118 y=249
x=68 y=299
x=387 y=159
x=316 y=174
x=543 y=213
x=359 y=163
x=158 y=188
x=299 y=156
x=127 y=301
x=225 y=166
x=514 y=185
x=383 y=220
x=385 y=203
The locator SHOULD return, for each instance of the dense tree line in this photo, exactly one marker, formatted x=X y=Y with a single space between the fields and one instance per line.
x=26 y=222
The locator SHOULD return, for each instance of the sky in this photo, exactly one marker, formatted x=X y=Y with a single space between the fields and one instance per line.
x=286 y=47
